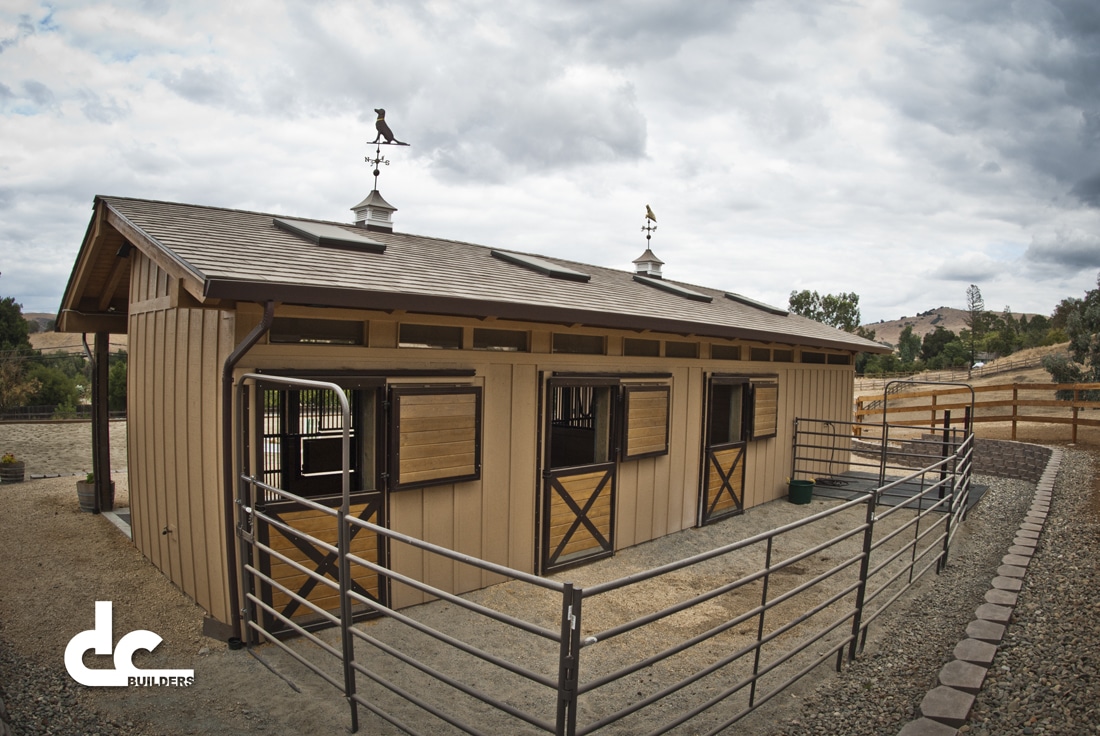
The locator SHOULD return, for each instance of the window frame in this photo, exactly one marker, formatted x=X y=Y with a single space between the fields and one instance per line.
x=628 y=391
x=396 y=395
x=759 y=386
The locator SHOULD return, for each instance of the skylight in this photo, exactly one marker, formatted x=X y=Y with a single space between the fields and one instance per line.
x=673 y=288
x=329 y=236
x=757 y=305
x=541 y=266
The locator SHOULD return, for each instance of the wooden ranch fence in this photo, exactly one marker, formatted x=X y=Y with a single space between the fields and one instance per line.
x=1012 y=403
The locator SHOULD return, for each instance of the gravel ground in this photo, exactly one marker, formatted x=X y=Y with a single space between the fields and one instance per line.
x=1046 y=676
x=1043 y=681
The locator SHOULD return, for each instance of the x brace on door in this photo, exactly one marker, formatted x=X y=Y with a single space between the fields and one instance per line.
x=582 y=516
x=325 y=562
x=725 y=484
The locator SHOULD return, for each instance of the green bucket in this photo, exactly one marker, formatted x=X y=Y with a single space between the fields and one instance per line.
x=800 y=491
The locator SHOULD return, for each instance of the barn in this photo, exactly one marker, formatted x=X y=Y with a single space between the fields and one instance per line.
x=522 y=409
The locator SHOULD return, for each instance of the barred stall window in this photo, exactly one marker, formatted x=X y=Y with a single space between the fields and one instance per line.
x=435 y=435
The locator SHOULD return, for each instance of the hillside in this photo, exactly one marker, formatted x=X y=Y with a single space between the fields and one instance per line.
x=922 y=323
x=63 y=342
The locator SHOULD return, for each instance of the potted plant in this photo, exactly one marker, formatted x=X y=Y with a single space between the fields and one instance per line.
x=11 y=470
x=85 y=495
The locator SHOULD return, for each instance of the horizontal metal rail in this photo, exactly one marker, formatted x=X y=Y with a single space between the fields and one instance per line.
x=873 y=559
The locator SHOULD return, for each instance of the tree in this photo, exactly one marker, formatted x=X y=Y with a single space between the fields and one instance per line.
x=16 y=386
x=934 y=343
x=55 y=386
x=116 y=382
x=975 y=307
x=909 y=346
x=836 y=310
x=1003 y=336
x=1082 y=365
x=13 y=328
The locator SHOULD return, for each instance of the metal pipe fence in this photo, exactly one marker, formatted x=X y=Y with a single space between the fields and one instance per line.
x=693 y=645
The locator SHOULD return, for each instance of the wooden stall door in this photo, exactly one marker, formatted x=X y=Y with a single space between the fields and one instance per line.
x=723 y=478
x=300 y=432
x=578 y=491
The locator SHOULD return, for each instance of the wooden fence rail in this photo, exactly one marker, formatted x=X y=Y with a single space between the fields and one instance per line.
x=1010 y=402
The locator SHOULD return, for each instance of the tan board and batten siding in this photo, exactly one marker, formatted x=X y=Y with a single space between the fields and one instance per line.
x=176 y=357
x=174 y=375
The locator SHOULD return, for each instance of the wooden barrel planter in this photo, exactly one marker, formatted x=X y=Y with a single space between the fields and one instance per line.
x=85 y=496
x=12 y=472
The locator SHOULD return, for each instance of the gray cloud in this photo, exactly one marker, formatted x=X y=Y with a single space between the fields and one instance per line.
x=967 y=270
x=39 y=93
x=1074 y=250
x=205 y=87
x=99 y=110
x=1023 y=83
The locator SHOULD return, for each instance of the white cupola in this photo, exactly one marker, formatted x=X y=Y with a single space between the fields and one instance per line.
x=374 y=213
x=648 y=264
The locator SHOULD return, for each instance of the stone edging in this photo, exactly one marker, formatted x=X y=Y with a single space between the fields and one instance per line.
x=947 y=707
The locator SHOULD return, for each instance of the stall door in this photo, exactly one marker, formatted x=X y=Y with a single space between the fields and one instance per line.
x=577 y=508
x=723 y=478
x=301 y=432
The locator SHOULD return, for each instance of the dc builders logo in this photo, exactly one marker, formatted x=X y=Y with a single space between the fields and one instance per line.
x=124 y=674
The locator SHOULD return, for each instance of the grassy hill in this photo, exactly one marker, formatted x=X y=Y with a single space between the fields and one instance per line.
x=922 y=323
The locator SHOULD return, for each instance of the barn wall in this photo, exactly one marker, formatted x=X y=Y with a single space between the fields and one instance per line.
x=494 y=517
x=175 y=359
x=176 y=356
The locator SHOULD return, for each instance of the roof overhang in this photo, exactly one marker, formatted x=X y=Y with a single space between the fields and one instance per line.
x=97 y=296
x=307 y=295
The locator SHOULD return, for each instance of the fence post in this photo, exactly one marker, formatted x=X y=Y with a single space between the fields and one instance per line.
x=933 y=422
x=343 y=546
x=569 y=661
x=945 y=446
x=1076 y=398
x=864 y=566
x=1015 y=408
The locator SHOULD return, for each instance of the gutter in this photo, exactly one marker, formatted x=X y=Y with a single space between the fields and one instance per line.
x=227 y=457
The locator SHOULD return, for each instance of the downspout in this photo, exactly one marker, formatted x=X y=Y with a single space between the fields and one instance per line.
x=227 y=457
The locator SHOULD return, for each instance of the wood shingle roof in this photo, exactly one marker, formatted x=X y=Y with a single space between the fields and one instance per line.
x=244 y=256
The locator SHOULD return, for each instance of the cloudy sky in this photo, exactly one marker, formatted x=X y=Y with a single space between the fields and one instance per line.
x=898 y=149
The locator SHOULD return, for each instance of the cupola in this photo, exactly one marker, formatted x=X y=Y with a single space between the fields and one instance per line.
x=374 y=213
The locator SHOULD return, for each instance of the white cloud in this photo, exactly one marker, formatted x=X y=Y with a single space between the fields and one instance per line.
x=891 y=149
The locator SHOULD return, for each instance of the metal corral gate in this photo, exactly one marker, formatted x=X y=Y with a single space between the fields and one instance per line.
x=750 y=621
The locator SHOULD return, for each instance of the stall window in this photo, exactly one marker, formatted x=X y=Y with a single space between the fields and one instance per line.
x=644 y=348
x=321 y=331
x=765 y=410
x=580 y=425
x=512 y=341
x=725 y=352
x=727 y=413
x=645 y=423
x=676 y=349
x=435 y=435
x=430 y=336
x=564 y=342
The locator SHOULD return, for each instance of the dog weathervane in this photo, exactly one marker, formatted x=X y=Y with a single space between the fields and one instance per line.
x=385 y=133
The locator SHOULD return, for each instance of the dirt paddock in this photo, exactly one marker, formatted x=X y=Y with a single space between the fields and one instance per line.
x=57 y=562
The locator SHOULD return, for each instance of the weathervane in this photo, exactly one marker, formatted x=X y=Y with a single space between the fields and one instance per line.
x=650 y=225
x=383 y=132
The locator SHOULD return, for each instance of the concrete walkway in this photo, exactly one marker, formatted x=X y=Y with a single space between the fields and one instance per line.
x=59 y=448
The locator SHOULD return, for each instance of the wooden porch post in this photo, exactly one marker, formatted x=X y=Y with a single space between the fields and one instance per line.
x=101 y=431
